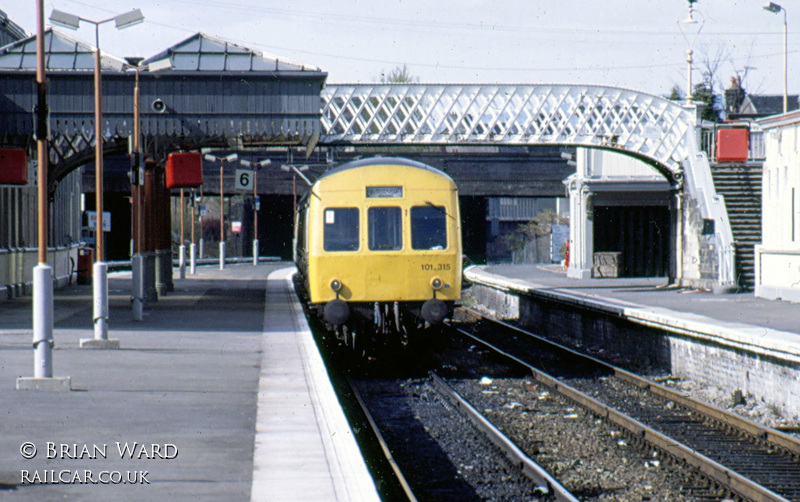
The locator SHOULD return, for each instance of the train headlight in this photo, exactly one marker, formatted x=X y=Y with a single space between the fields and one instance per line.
x=336 y=286
x=436 y=283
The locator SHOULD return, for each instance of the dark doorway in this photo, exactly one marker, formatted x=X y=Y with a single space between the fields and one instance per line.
x=473 y=228
x=640 y=233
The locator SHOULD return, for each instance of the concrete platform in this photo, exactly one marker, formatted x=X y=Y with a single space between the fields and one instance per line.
x=741 y=317
x=218 y=394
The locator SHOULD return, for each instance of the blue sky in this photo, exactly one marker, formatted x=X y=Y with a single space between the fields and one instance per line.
x=637 y=45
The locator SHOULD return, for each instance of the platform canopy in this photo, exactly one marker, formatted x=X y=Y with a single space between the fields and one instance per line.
x=206 y=92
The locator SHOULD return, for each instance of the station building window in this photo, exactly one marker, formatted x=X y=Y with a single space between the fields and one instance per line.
x=428 y=227
x=385 y=228
x=341 y=229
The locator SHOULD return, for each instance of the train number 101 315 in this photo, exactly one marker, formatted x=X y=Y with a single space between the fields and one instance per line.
x=435 y=267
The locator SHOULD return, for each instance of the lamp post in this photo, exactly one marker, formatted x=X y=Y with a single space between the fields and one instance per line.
x=690 y=29
x=230 y=158
x=100 y=272
x=298 y=171
x=42 y=273
x=192 y=246
x=256 y=202
x=137 y=190
x=775 y=8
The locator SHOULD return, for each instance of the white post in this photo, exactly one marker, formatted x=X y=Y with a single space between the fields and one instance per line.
x=43 y=336
x=202 y=249
x=100 y=311
x=255 y=251
x=100 y=288
x=222 y=255
x=182 y=260
x=193 y=258
x=137 y=271
x=42 y=321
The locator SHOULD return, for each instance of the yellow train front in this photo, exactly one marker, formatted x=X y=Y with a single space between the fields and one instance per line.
x=378 y=247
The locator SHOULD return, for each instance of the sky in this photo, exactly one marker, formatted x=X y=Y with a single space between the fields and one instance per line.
x=636 y=45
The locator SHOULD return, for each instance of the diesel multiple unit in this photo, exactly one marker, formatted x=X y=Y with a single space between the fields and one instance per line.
x=378 y=248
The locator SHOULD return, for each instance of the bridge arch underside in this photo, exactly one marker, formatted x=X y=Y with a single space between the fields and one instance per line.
x=636 y=217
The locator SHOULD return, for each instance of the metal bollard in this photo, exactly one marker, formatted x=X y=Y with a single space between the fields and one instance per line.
x=100 y=288
x=182 y=261
x=193 y=258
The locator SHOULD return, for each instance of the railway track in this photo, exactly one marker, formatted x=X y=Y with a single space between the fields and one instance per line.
x=436 y=453
x=737 y=455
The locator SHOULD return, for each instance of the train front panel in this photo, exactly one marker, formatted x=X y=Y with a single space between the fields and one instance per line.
x=384 y=233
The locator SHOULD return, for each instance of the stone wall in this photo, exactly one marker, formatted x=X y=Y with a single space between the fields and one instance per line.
x=608 y=334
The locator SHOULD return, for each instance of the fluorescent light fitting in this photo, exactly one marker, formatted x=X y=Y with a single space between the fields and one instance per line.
x=772 y=7
x=161 y=64
x=65 y=19
x=128 y=19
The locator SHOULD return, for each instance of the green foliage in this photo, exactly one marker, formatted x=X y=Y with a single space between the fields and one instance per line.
x=530 y=231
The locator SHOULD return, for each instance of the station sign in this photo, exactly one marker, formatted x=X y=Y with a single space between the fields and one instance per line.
x=91 y=217
x=244 y=180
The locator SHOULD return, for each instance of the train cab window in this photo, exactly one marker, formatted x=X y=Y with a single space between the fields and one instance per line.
x=385 y=228
x=341 y=229
x=428 y=227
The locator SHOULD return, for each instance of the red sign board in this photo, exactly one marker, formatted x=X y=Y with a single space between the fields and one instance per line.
x=732 y=145
x=184 y=170
x=13 y=166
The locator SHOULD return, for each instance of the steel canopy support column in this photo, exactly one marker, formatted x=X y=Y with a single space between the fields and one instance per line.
x=149 y=255
x=162 y=229
x=182 y=248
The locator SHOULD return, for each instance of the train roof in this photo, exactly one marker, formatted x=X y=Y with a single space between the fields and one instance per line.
x=371 y=161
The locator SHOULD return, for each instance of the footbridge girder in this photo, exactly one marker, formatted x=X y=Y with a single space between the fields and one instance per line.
x=661 y=132
x=649 y=127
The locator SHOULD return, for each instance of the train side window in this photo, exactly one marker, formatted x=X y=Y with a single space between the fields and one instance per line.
x=428 y=227
x=385 y=228
x=341 y=229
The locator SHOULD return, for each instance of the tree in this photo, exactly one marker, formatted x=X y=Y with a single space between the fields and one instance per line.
x=398 y=76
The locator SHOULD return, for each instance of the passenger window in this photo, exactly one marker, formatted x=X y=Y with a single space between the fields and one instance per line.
x=385 y=228
x=428 y=227
x=341 y=229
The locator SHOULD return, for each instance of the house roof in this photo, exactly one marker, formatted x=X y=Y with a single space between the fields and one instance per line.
x=202 y=52
x=764 y=105
x=63 y=53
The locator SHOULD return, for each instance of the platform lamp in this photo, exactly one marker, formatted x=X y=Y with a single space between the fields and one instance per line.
x=690 y=28
x=256 y=201
x=100 y=271
x=43 y=308
x=775 y=8
x=298 y=171
x=137 y=192
x=230 y=158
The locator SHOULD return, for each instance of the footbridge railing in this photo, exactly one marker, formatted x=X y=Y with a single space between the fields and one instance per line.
x=659 y=131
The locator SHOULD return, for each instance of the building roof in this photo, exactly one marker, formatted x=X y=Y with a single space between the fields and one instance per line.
x=202 y=52
x=10 y=31
x=199 y=52
x=63 y=53
x=763 y=105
